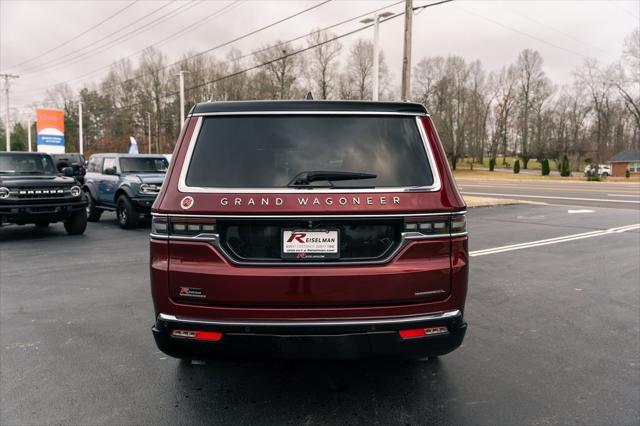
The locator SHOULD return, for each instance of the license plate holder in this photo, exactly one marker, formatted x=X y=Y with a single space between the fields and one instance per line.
x=310 y=244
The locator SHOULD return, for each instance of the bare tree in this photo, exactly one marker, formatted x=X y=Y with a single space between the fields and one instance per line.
x=281 y=69
x=323 y=62
x=531 y=79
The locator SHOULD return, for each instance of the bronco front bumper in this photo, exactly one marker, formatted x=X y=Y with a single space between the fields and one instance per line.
x=343 y=339
x=32 y=212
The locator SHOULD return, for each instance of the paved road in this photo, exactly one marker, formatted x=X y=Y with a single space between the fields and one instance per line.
x=590 y=194
x=553 y=338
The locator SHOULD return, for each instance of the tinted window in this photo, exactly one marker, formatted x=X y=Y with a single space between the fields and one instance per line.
x=33 y=164
x=109 y=163
x=143 y=164
x=95 y=165
x=269 y=151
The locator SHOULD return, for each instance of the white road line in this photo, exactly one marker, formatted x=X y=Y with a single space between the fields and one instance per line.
x=550 y=197
x=581 y=211
x=556 y=240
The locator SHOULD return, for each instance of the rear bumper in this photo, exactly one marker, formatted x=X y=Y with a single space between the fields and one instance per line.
x=32 y=212
x=342 y=339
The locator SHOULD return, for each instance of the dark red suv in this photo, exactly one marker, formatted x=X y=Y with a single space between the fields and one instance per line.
x=309 y=229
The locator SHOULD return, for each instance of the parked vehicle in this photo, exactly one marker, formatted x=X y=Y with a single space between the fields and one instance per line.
x=33 y=192
x=125 y=183
x=602 y=169
x=309 y=229
x=74 y=160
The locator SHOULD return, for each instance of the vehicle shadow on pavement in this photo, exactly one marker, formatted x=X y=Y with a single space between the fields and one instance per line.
x=32 y=232
x=343 y=392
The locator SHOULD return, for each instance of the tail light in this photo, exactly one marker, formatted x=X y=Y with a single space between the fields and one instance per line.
x=436 y=225
x=182 y=227
x=209 y=336
x=422 y=332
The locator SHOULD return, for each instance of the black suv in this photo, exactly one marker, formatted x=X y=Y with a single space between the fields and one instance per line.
x=72 y=159
x=32 y=191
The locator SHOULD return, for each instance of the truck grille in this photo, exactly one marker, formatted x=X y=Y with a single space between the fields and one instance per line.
x=40 y=193
x=360 y=240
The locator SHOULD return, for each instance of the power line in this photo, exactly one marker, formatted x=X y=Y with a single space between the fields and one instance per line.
x=586 y=43
x=184 y=30
x=93 y=27
x=288 y=55
x=91 y=46
x=233 y=40
x=523 y=33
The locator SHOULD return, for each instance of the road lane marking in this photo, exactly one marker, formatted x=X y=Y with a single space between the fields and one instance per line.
x=631 y=193
x=551 y=197
x=556 y=240
x=581 y=211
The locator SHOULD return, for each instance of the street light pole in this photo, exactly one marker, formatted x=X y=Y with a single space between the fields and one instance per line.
x=7 y=77
x=181 y=75
x=376 y=51
x=29 y=132
x=149 y=130
x=80 y=137
x=376 y=54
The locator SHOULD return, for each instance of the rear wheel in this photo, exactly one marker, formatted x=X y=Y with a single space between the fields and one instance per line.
x=128 y=215
x=93 y=213
x=77 y=223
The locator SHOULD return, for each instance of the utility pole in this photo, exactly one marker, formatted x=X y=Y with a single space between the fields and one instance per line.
x=406 y=55
x=7 y=77
x=29 y=132
x=149 y=130
x=181 y=75
x=81 y=140
x=376 y=51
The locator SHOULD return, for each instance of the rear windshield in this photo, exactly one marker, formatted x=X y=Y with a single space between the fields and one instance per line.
x=270 y=151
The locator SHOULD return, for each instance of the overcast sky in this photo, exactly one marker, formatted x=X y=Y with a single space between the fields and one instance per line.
x=565 y=33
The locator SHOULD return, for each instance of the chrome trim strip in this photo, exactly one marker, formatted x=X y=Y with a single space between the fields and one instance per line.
x=206 y=114
x=183 y=187
x=306 y=216
x=401 y=320
x=459 y=234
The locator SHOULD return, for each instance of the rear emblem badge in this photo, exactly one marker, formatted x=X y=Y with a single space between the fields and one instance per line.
x=191 y=292
x=187 y=202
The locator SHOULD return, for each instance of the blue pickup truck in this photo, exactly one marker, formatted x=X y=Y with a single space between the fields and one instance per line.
x=125 y=183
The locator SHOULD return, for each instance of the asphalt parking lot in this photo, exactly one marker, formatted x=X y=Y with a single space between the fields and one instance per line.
x=621 y=195
x=554 y=337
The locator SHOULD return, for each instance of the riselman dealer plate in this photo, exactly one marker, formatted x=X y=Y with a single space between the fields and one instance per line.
x=306 y=244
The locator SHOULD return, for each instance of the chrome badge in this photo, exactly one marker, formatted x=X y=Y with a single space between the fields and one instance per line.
x=187 y=202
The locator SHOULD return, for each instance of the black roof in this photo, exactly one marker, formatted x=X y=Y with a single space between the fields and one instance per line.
x=308 y=106
x=626 y=156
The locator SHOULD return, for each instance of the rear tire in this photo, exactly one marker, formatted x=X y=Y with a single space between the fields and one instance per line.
x=128 y=215
x=93 y=213
x=77 y=223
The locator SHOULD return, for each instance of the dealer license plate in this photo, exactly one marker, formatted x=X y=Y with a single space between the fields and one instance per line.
x=306 y=244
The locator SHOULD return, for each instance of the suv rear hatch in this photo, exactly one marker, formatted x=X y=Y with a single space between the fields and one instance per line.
x=260 y=162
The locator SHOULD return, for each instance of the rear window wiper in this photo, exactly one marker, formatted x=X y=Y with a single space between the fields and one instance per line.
x=304 y=179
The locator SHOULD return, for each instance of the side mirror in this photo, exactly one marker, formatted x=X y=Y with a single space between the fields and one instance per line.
x=110 y=171
x=67 y=171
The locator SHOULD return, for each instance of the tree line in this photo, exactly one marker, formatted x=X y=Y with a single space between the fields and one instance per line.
x=514 y=111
